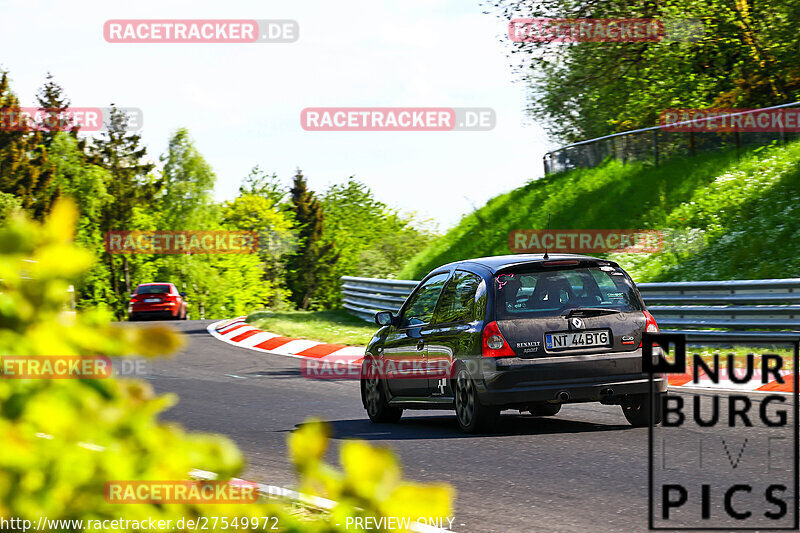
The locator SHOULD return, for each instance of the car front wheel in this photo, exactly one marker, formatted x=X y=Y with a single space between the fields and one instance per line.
x=471 y=415
x=374 y=397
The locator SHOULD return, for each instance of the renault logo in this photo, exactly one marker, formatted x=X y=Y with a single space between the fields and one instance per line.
x=577 y=323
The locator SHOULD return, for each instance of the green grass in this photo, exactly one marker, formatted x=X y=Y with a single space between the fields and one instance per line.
x=726 y=215
x=335 y=327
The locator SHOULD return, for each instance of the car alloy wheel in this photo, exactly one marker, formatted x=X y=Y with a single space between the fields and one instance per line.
x=471 y=415
x=465 y=399
x=378 y=408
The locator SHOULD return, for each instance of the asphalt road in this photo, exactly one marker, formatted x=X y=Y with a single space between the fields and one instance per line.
x=584 y=470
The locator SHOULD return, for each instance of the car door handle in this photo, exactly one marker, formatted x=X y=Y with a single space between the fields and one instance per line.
x=420 y=345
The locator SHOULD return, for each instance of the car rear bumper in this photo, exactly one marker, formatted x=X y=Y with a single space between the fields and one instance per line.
x=153 y=313
x=586 y=378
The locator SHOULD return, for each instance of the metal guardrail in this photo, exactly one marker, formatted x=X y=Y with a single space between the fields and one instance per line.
x=709 y=309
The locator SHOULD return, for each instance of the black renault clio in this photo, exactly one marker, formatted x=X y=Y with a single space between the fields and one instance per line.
x=525 y=332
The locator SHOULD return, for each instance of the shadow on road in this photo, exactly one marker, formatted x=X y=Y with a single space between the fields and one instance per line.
x=278 y=373
x=445 y=427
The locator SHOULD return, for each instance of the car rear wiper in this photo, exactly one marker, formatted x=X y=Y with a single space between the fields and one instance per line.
x=590 y=311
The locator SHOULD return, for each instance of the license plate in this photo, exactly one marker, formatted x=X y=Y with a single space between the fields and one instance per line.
x=151 y=300
x=577 y=339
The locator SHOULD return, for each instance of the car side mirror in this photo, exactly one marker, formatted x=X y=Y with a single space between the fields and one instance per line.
x=183 y=294
x=384 y=318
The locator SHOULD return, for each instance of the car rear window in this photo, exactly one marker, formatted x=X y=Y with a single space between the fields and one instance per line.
x=551 y=293
x=152 y=289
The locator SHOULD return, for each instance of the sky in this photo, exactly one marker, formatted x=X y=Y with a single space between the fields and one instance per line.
x=242 y=102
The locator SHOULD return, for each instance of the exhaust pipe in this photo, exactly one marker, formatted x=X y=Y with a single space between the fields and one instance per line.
x=563 y=396
x=607 y=397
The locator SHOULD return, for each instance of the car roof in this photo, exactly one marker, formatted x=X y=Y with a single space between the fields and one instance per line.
x=155 y=283
x=500 y=262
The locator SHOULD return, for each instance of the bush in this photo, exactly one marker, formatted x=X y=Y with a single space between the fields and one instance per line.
x=63 y=439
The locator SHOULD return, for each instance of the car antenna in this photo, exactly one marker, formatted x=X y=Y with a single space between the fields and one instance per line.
x=545 y=256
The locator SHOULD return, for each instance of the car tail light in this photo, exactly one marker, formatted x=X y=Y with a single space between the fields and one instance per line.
x=650 y=325
x=493 y=344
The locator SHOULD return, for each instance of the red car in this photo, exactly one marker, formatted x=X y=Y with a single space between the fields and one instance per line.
x=157 y=300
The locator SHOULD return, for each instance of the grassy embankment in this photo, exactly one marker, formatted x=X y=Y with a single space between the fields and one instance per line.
x=725 y=215
x=335 y=327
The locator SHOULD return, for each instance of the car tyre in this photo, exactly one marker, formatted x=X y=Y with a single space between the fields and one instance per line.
x=472 y=416
x=373 y=395
x=545 y=409
x=636 y=409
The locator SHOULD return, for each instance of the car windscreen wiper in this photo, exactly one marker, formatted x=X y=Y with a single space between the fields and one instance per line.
x=590 y=311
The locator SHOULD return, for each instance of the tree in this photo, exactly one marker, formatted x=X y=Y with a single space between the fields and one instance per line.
x=25 y=168
x=276 y=237
x=259 y=183
x=312 y=265
x=187 y=185
x=373 y=240
x=746 y=57
x=52 y=99
x=85 y=184
x=130 y=185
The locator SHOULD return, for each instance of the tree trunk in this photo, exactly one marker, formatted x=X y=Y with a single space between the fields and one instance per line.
x=127 y=271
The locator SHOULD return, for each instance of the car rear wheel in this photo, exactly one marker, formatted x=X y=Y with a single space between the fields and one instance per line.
x=545 y=409
x=636 y=409
x=374 y=397
x=471 y=415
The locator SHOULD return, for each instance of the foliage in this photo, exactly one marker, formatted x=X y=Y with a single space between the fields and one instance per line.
x=268 y=186
x=25 y=167
x=746 y=57
x=258 y=211
x=306 y=241
x=720 y=201
x=309 y=268
x=336 y=326
x=63 y=439
x=370 y=483
x=131 y=187
x=188 y=183
x=51 y=97
x=374 y=241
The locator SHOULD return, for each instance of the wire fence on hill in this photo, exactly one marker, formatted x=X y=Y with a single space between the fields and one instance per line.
x=730 y=129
